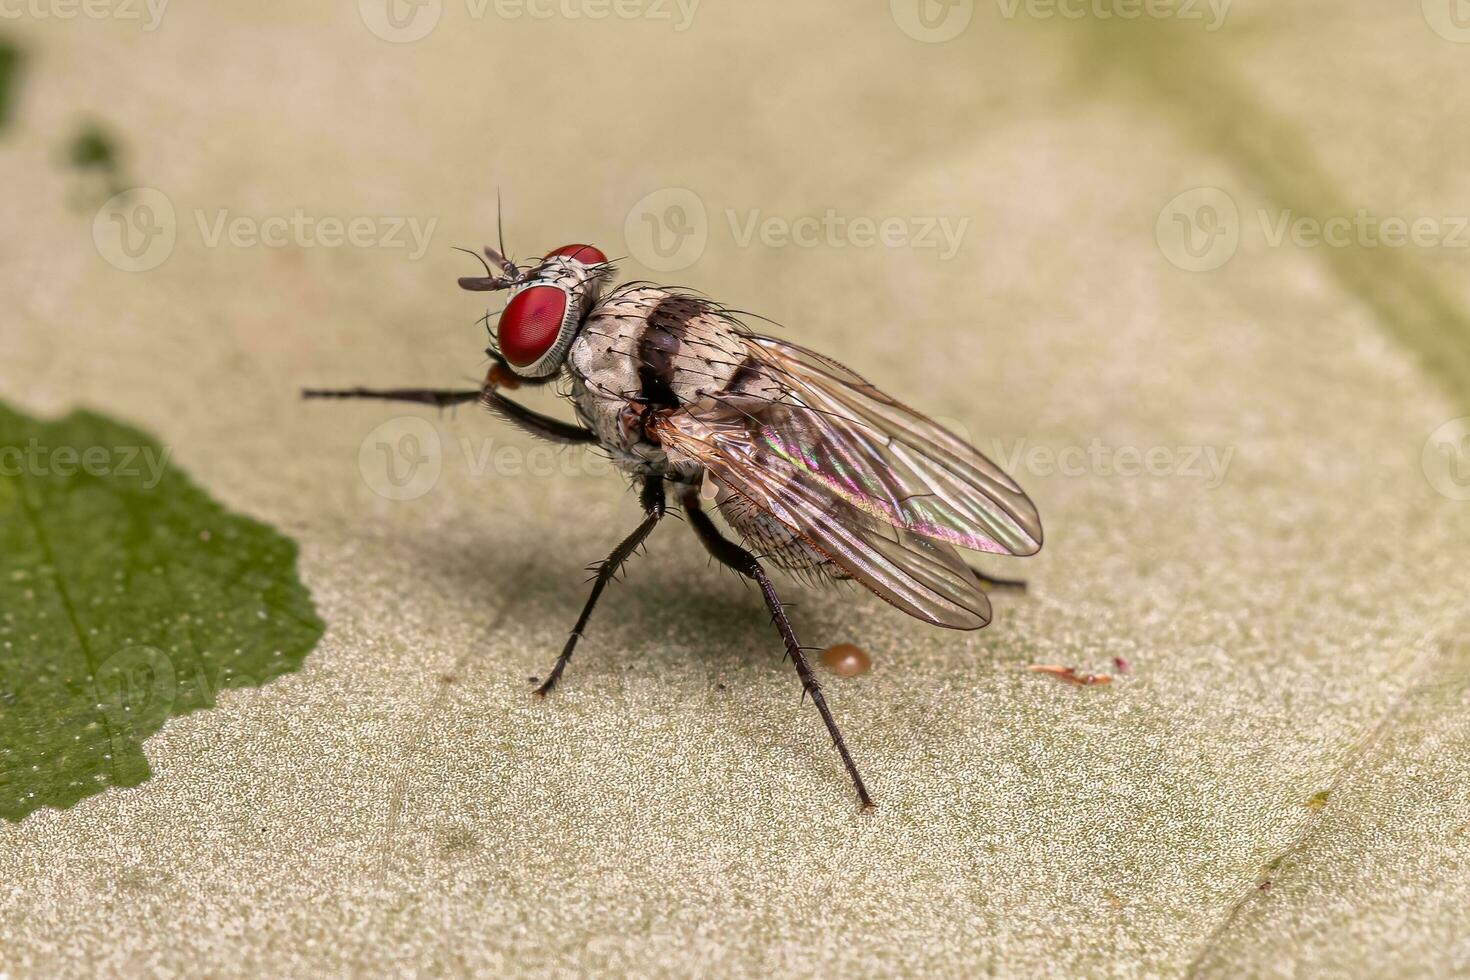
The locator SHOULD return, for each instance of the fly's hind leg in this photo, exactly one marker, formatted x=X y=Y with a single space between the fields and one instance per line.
x=730 y=554
x=654 y=507
x=990 y=584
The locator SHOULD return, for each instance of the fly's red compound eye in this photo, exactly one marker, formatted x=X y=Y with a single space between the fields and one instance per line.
x=531 y=323
x=585 y=254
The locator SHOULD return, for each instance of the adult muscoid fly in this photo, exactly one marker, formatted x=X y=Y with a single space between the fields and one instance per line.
x=817 y=471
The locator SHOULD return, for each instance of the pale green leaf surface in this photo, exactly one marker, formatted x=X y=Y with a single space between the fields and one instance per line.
x=1294 y=628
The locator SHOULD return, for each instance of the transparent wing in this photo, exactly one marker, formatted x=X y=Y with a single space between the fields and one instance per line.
x=749 y=445
x=891 y=462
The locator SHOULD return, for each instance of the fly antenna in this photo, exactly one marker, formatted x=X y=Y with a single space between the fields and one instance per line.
x=488 y=272
x=500 y=225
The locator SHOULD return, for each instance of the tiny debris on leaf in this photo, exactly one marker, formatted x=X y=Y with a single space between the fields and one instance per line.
x=1070 y=675
x=1317 y=800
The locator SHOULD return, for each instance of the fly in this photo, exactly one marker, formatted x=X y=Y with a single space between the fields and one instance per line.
x=816 y=471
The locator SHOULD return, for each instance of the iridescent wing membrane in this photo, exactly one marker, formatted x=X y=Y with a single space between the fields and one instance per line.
x=883 y=492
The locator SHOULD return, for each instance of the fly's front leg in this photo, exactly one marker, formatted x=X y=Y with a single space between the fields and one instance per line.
x=653 y=506
x=732 y=555
x=541 y=426
x=438 y=397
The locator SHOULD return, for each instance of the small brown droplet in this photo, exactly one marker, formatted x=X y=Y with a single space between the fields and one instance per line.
x=499 y=377
x=846 y=660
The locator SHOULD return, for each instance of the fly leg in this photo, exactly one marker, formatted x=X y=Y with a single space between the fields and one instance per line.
x=990 y=584
x=541 y=426
x=734 y=556
x=653 y=507
x=438 y=397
